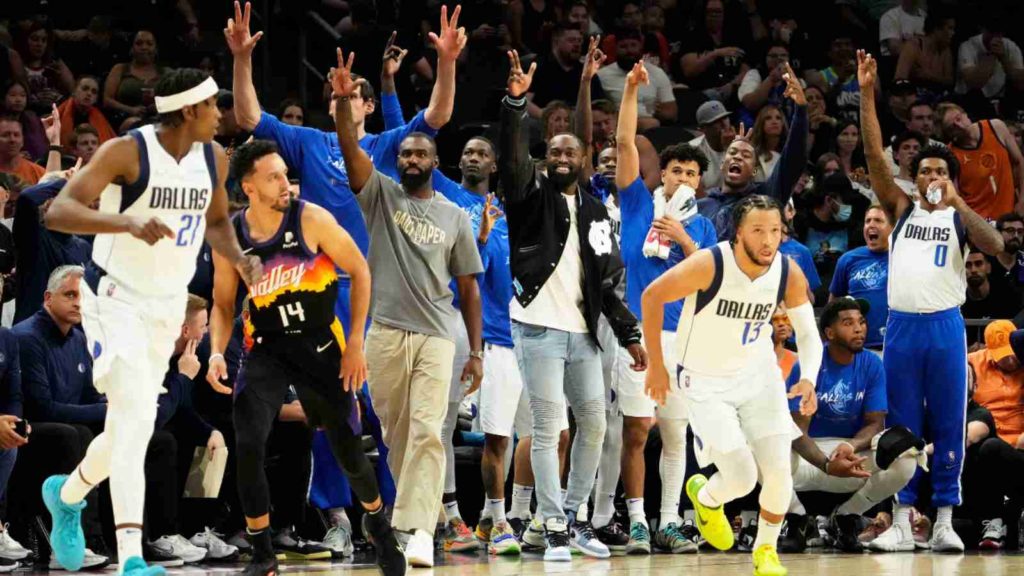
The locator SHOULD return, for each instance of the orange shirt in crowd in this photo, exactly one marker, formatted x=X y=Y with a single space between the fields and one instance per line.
x=787 y=362
x=986 y=175
x=29 y=172
x=1001 y=393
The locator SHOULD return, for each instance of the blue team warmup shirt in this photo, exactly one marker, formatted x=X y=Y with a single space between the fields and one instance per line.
x=496 y=280
x=845 y=394
x=803 y=258
x=636 y=207
x=862 y=273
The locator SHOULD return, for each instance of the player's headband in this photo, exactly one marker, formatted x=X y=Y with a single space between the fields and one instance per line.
x=193 y=95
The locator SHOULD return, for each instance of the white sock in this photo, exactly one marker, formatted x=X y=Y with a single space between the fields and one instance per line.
x=635 y=506
x=74 y=489
x=496 y=508
x=901 y=516
x=451 y=510
x=565 y=493
x=604 y=510
x=584 y=511
x=339 y=518
x=129 y=543
x=767 y=533
x=667 y=518
x=944 y=516
x=521 y=499
x=705 y=498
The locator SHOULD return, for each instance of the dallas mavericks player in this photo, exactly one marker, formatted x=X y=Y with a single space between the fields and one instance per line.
x=925 y=347
x=161 y=189
x=735 y=395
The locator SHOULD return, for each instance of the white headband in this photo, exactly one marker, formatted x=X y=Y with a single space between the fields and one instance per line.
x=193 y=95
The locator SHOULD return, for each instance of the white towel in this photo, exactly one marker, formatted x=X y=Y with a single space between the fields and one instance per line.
x=682 y=207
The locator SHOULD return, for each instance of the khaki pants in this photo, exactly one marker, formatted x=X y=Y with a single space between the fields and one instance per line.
x=408 y=376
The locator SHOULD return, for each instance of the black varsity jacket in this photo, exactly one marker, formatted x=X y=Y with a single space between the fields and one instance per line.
x=538 y=224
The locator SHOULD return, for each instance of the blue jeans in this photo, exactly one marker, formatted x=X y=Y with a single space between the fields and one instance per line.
x=7 y=459
x=556 y=363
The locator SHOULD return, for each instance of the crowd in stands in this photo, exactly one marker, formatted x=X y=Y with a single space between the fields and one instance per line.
x=951 y=73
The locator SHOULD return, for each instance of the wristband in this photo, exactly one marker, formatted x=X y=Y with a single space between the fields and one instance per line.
x=56 y=148
x=212 y=356
x=479 y=354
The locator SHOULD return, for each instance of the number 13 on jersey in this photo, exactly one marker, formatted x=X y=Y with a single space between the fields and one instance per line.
x=751 y=330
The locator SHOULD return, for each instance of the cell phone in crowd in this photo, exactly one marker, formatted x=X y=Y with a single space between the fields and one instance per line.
x=21 y=428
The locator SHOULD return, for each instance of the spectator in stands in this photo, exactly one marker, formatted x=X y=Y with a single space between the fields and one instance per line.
x=903 y=150
x=850 y=150
x=82 y=108
x=836 y=447
x=987 y=297
x=990 y=62
x=11 y=143
x=737 y=167
x=292 y=112
x=763 y=84
x=798 y=252
x=928 y=61
x=992 y=174
x=579 y=16
x=821 y=124
x=558 y=72
x=900 y=95
x=49 y=79
x=832 y=214
x=529 y=22
x=1000 y=382
x=229 y=134
x=93 y=50
x=60 y=400
x=556 y=118
x=714 y=52
x=863 y=273
x=770 y=133
x=899 y=25
x=840 y=78
x=920 y=119
x=604 y=119
x=657 y=101
x=41 y=250
x=10 y=440
x=717 y=133
x=16 y=105
x=782 y=330
x=1011 y=261
x=632 y=16
x=128 y=90
x=84 y=141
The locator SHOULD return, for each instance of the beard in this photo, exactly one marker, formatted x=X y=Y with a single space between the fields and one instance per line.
x=563 y=181
x=1013 y=246
x=755 y=257
x=975 y=281
x=411 y=181
x=627 y=63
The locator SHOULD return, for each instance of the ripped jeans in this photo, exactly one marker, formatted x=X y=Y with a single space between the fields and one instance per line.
x=557 y=364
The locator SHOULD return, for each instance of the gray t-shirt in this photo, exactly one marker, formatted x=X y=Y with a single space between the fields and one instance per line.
x=416 y=248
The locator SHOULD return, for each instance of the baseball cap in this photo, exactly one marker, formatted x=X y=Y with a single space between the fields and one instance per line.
x=997 y=339
x=833 y=308
x=711 y=111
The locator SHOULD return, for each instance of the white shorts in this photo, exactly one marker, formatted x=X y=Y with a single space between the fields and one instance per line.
x=457 y=391
x=808 y=477
x=727 y=414
x=140 y=331
x=625 y=391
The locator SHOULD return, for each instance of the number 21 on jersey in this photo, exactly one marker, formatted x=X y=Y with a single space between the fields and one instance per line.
x=187 y=231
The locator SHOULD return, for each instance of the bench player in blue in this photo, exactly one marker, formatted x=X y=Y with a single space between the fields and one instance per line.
x=925 y=348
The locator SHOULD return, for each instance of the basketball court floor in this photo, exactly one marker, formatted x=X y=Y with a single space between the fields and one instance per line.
x=703 y=564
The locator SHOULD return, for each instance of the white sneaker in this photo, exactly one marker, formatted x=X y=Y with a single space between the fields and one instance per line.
x=92 y=560
x=993 y=535
x=897 y=538
x=10 y=548
x=339 y=540
x=177 y=545
x=216 y=548
x=945 y=539
x=419 y=551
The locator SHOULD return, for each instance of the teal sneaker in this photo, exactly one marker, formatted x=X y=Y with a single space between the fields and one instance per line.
x=66 y=537
x=136 y=566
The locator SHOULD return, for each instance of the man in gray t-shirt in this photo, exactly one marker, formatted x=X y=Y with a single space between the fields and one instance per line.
x=416 y=247
x=419 y=242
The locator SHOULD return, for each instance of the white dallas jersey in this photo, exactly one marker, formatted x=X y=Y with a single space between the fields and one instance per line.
x=927 y=251
x=726 y=330
x=177 y=193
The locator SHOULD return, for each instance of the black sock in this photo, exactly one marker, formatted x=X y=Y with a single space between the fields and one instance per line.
x=262 y=547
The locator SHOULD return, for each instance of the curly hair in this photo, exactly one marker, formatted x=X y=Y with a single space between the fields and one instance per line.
x=942 y=153
x=683 y=153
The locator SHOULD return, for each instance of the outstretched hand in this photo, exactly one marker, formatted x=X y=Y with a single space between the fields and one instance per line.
x=794 y=91
x=742 y=133
x=240 y=41
x=519 y=82
x=393 y=56
x=638 y=75
x=452 y=39
x=595 y=59
x=867 y=70
x=342 y=84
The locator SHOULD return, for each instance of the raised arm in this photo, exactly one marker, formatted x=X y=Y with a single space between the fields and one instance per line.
x=515 y=167
x=793 y=160
x=584 y=115
x=891 y=196
x=357 y=162
x=627 y=166
x=220 y=234
x=449 y=44
x=1015 y=156
x=390 y=107
x=241 y=44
